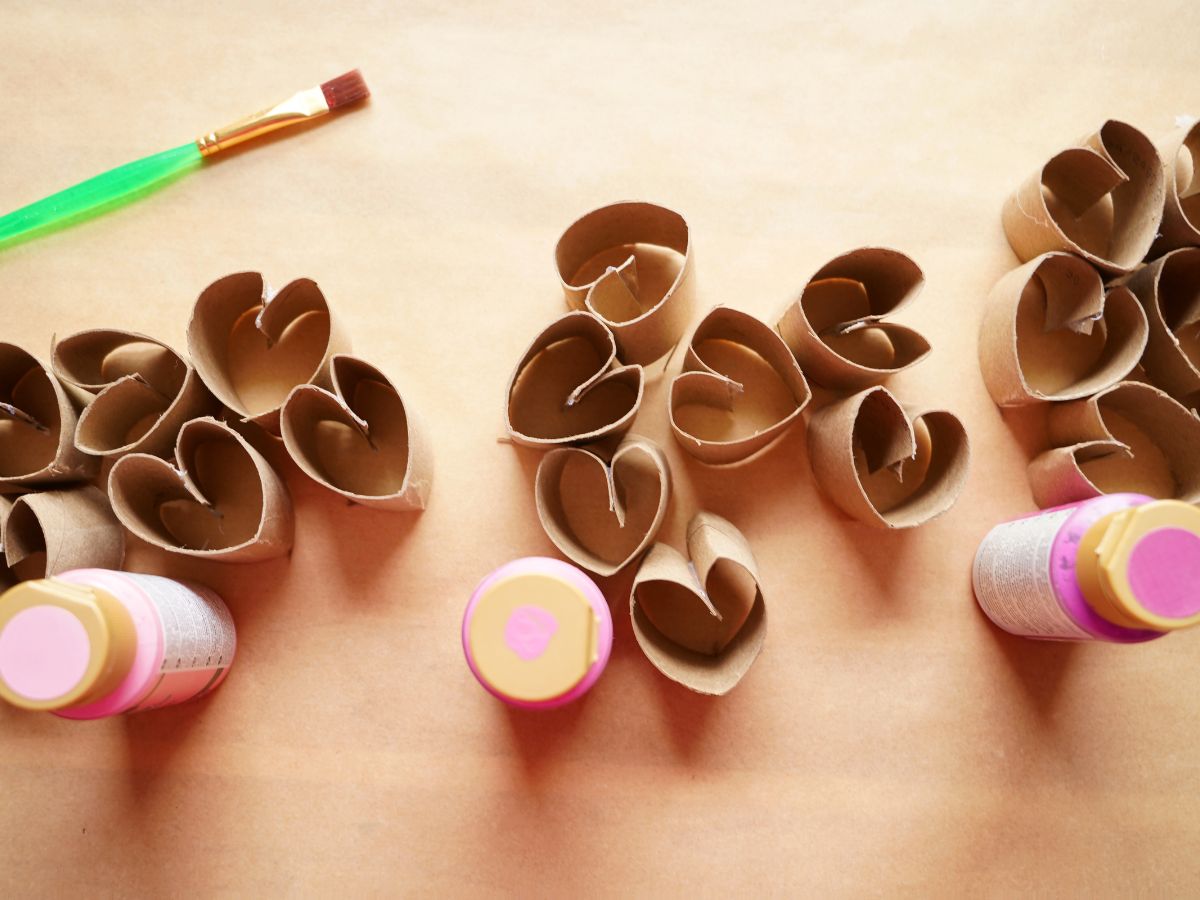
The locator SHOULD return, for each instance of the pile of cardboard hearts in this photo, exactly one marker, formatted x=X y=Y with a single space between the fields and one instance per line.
x=1102 y=320
x=178 y=434
x=602 y=492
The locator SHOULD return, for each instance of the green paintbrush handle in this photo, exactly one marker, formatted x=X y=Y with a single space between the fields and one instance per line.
x=99 y=193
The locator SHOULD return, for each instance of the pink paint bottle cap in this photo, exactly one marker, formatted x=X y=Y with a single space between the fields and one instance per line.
x=1141 y=566
x=62 y=644
x=537 y=632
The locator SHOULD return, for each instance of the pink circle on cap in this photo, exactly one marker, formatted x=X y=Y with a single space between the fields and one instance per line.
x=1164 y=572
x=44 y=651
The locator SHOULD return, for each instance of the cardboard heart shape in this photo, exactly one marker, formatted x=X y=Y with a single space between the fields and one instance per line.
x=836 y=327
x=50 y=532
x=1169 y=289
x=220 y=500
x=1129 y=437
x=701 y=623
x=569 y=388
x=1101 y=199
x=251 y=346
x=602 y=511
x=885 y=464
x=38 y=415
x=359 y=439
x=630 y=265
x=1049 y=332
x=1180 y=153
x=739 y=390
x=144 y=390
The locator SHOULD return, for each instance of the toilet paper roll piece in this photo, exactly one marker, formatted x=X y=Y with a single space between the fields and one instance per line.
x=38 y=415
x=1180 y=152
x=837 y=327
x=359 y=439
x=144 y=391
x=251 y=346
x=739 y=390
x=49 y=532
x=569 y=388
x=600 y=509
x=701 y=620
x=220 y=500
x=1131 y=437
x=630 y=264
x=1169 y=290
x=1050 y=332
x=886 y=464
x=1101 y=199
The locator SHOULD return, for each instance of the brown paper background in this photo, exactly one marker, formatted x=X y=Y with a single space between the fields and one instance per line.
x=887 y=741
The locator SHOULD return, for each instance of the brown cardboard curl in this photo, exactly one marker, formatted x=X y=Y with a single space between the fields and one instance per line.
x=569 y=388
x=49 y=532
x=220 y=500
x=630 y=265
x=836 y=327
x=144 y=390
x=739 y=390
x=251 y=346
x=701 y=623
x=1130 y=437
x=602 y=511
x=1049 y=332
x=38 y=415
x=1180 y=152
x=1169 y=289
x=886 y=464
x=1101 y=199
x=359 y=440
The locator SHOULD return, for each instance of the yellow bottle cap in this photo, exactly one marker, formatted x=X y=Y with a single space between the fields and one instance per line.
x=62 y=644
x=1140 y=567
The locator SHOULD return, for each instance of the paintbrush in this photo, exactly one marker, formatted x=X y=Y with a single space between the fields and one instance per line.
x=129 y=181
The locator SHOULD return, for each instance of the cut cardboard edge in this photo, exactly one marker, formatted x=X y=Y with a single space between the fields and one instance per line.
x=1081 y=174
x=274 y=534
x=592 y=329
x=701 y=384
x=651 y=334
x=307 y=405
x=75 y=527
x=73 y=356
x=890 y=281
x=68 y=464
x=710 y=539
x=834 y=434
x=1079 y=433
x=224 y=302
x=1068 y=282
x=551 y=502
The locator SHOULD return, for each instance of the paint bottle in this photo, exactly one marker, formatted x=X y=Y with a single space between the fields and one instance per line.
x=91 y=643
x=1123 y=568
x=537 y=632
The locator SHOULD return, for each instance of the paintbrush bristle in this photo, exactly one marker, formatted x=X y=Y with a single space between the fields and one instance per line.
x=345 y=89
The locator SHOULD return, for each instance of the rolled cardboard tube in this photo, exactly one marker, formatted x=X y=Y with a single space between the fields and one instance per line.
x=251 y=346
x=700 y=620
x=38 y=415
x=1050 y=332
x=359 y=439
x=631 y=265
x=144 y=391
x=1101 y=199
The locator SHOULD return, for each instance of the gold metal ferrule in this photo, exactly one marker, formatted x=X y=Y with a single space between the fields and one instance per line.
x=300 y=107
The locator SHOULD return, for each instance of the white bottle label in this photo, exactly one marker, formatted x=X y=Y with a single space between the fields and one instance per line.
x=1012 y=578
x=199 y=640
